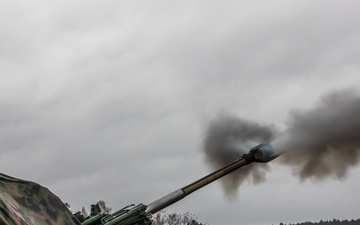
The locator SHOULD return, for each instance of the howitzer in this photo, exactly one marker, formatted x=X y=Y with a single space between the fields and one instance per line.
x=141 y=214
x=27 y=203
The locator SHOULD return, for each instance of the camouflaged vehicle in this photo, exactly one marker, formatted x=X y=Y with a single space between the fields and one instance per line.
x=27 y=203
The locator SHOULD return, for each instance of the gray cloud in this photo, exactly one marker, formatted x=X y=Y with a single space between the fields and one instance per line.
x=108 y=100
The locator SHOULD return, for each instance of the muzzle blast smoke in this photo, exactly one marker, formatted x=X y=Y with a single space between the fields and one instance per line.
x=318 y=143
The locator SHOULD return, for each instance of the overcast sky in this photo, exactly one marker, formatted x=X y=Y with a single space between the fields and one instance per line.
x=109 y=99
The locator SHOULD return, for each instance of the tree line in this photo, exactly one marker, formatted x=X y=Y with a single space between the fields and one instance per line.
x=328 y=222
x=175 y=219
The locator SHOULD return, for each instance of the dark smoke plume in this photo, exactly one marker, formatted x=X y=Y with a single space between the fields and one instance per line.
x=325 y=141
x=319 y=143
x=227 y=138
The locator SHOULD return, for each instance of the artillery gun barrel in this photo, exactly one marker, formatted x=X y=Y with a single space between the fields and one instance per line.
x=260 y=153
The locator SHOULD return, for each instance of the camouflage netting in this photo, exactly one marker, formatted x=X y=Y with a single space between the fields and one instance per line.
x=27 y=203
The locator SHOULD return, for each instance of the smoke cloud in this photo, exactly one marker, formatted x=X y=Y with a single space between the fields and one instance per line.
x=323 y=142
x=227 y=138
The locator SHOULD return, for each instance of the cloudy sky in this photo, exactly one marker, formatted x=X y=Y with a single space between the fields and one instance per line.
x=109 y=99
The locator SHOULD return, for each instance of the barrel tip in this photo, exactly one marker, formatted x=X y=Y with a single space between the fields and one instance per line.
x=264 y=152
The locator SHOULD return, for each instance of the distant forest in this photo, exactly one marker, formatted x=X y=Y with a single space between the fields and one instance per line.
x=328 y=222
